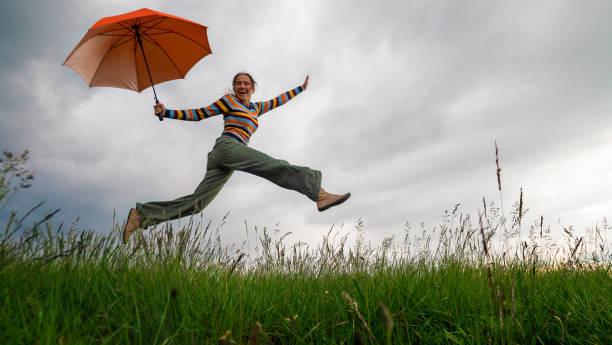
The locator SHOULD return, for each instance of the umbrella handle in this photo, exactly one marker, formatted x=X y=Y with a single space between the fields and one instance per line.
x=160 y=115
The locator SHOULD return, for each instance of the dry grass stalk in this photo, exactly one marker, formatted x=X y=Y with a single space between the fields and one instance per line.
x=353 y=304
x=562 y=328
x=254 y=336
x=484 y=205
x=575 y=249
x=500 y=309
x=498 y=168
x=236 y=263
x=339 y=324
x=494 y=299
x=520 y=213
x=223 y=339
x=498 y=171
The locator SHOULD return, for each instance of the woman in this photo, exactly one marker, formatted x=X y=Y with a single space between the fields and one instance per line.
x=231 y=153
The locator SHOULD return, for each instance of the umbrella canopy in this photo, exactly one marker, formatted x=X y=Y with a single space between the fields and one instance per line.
x=138 y=49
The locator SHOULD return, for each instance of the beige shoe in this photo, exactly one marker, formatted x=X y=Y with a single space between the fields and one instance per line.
x=134 y=222
x=326 y=200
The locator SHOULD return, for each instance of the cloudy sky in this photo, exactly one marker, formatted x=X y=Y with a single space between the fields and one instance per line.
x=405 y=101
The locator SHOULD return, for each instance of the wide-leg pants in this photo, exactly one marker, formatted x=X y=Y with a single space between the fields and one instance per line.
x=226 y=156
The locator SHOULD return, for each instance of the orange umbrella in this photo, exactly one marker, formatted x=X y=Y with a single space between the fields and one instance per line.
x=138 y=49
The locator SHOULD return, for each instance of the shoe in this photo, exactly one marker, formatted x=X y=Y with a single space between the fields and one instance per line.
x=134 y=222
x=326 y=200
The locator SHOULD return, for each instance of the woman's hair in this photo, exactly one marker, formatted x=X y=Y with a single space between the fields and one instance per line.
x=253 y=82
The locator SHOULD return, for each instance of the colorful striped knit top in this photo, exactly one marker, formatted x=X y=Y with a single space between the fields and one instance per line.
x=240 y=121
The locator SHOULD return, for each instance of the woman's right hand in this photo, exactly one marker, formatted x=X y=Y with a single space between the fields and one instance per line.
x=305 y=85
x=159 y=108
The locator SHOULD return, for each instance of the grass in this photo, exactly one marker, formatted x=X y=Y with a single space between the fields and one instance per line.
x=182 y=287
x=489 y=280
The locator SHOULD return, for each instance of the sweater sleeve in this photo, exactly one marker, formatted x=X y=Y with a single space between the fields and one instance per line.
x=220 y=106
x=277 y=101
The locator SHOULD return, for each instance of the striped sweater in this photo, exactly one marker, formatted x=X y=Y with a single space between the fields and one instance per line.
x=240 y=121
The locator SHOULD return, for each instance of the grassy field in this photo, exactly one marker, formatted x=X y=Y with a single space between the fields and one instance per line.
x=183 y=287
x=470 y=280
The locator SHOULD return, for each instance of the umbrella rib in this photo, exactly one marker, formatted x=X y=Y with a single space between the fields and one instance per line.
x=151 y=40
x=119 y=43
x=186 y=37
x=168 y=56
x=112 y=33
x=168 y=31
x=129 y=29
x=100 y=64
x=131 y=34
x=148 y=37
x=145 y=34
x=162 y=19
x=117 y=35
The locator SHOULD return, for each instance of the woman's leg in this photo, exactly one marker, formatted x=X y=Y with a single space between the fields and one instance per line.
x=236 y=156
x=156 y=212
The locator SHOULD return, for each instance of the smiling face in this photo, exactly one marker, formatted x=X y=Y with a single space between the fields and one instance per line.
x=243 y=88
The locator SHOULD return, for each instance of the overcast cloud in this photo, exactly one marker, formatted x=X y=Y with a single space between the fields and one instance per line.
x=405 y=102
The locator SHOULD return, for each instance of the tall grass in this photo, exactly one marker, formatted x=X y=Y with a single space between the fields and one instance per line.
x=470 y=279
x=182 y=286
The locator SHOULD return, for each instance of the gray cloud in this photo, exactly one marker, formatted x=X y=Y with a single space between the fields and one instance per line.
x=405 y=102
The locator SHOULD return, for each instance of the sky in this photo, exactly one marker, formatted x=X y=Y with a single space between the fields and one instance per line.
x=405 y=103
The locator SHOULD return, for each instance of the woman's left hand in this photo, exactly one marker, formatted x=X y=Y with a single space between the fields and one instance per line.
x=305 y=85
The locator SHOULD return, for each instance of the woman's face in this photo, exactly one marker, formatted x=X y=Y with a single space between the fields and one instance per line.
x=243 y=88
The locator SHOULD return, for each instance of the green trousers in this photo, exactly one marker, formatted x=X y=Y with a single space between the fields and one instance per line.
x=226 y=156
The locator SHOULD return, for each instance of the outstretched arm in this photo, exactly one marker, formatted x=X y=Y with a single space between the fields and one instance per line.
x=281 y=99
x=218 y=107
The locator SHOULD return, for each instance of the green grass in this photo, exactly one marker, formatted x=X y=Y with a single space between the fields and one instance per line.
x=179 y=287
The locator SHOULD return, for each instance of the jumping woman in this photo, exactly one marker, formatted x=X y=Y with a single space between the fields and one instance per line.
x=231 y=152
